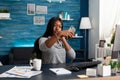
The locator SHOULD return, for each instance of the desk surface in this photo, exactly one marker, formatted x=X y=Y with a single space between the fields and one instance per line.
x=46 y=74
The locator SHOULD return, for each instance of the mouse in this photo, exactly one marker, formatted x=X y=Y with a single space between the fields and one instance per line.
x=74 y=68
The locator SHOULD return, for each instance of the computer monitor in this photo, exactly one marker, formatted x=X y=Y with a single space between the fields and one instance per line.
x=116 y=44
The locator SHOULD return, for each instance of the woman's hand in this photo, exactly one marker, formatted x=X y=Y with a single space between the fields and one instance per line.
x=64 y=33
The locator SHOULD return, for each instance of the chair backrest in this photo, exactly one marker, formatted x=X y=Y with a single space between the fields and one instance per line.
x=36 y=49
x=20 y=55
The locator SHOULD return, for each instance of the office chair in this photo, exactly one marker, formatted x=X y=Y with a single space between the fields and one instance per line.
x=36 y=51
x=78 y=56
x=20 y=55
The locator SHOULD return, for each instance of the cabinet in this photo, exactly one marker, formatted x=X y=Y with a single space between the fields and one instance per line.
x=101 y=52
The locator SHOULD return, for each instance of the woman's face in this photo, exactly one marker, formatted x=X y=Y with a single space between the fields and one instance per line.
x=57 y=26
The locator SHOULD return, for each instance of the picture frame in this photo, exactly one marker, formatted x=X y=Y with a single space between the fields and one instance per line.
x=39 y=20
x=30 y=9
x=41 y=9
x=102 y=43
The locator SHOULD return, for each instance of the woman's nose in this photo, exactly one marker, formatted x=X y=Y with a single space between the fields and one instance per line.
x=57 y=28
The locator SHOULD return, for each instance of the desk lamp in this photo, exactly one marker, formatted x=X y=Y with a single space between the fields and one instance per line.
x=85 y=24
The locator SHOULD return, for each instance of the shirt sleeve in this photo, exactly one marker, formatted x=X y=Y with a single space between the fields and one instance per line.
x=71 y=54
x=42 y=45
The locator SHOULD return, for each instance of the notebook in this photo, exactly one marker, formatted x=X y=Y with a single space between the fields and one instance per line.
x=60 y=71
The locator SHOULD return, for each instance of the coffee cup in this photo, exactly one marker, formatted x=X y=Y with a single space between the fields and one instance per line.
x=36 y=63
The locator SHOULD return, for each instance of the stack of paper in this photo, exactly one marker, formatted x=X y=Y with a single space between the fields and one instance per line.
x=20 y=72
x=60 y=71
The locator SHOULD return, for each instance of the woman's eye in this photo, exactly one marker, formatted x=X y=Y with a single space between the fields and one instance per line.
x=60 y=27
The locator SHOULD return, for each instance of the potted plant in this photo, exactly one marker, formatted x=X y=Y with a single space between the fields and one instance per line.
x=118 y=66
x=113 y=65
x=4 y=13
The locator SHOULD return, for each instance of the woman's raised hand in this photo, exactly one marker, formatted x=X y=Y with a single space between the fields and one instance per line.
x=65 y=33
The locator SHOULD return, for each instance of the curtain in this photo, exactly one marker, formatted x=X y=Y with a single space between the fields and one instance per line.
x=110 y=16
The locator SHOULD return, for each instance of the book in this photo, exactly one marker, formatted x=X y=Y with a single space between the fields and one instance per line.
x=60 y=71
x=20 y=72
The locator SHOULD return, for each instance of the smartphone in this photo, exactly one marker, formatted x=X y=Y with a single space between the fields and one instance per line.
x=72 y=29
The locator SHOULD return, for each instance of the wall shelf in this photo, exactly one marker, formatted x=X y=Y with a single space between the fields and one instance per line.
x=12 y=0
x=5 y=18
x=77 y=36
x=67 y=19
x=55 y=1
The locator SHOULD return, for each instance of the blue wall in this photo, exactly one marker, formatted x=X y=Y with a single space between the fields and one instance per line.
x=20 y=30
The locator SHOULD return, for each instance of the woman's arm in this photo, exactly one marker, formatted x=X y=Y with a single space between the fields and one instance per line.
x=70 y=52
x=65 y=43
x=57 y=36
x=51 y=41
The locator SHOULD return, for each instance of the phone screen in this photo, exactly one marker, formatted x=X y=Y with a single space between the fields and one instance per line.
x=72 y=28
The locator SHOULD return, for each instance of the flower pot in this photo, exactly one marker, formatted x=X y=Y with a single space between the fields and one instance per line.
x=104 y=70
x=113 y=71
x=118 y=70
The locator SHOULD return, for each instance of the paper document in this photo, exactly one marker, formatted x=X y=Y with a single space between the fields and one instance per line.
x=20 y=72
x=82 y=76
x=60 y=71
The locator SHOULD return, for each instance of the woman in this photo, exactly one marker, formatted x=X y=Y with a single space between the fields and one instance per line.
x=53 y=43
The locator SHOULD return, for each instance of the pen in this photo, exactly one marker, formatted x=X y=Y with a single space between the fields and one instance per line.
x=57 y=70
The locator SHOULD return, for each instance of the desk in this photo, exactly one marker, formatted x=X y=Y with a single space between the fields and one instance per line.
x=46 y=74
